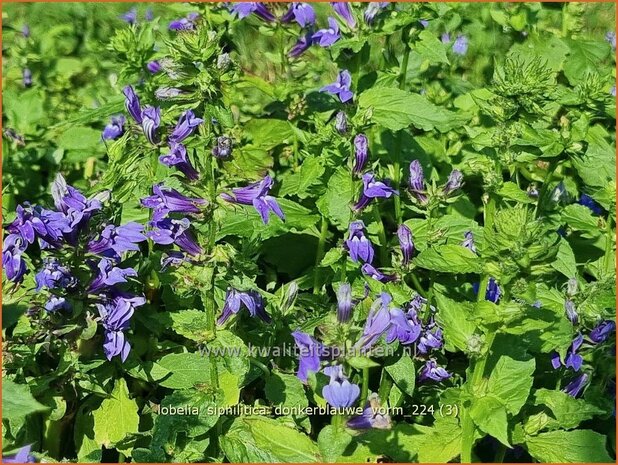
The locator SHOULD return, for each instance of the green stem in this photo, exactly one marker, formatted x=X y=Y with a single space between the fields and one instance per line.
x=121 y=457
x=417 y=285
x=365 y=386
x=386 y=384
x=382 y=235
x=319 y=255
x=337 y=422
x=260 y=365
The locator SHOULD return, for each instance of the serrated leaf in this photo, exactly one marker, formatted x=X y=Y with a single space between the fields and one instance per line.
x=510 y=382
x=18 y=402
x=404 y=374
x=489 y=415
x=578 y=446
x=116 y=418
x=187 y=369
x=568 y=411
x=449 y=258
x=335 y=202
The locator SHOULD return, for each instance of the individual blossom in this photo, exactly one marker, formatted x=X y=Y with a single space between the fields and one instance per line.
x=184 y=24
x=130 y=16
x=223 y=149
x=109 y=275
x=149 y=14
x=406 y=243
x=115 y=128
x=405 y=326
x=602 y=331
x=344 y=303
x=610 y=37
x=25 y=31
x=154 y=66
x=131 y=103
x=77 y=208
x=431 y=371
x=27 y=77
x=378 y=322
x=116 y=240
x=341 y=87
x=373 y=272
x=344 y=10
x=445 y=38
x=373 y=189
x=302 y=13
x=55 y=303
x=492 y=292
x=341 y=123
x=252 y=300
x=572 y=360
x=328 y=36
x=417 y=181
x=453 y=182
x=12 y=250
x=468 y=241
x=589 y=202
x=357 y=244
x=256 y=194
x=115 y=315
x=22 y=455
x=244 y=9
x=53 y=275
x=151 y=119
x=167 y=199
x=571 y=311
x=372 y=416
x=303 y=43
x=424 y=23
x=167 y=231
x=460 y=46
x=187 y=123
x=361 y=153
x=310 y=353
x=575 y=387
x=173 y=258
x=177 y=157
x=32 y=222
x=373 y=8
x=431 y=339
x=339 y=392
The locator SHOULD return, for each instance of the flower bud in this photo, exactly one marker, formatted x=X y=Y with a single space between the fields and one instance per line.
x=223 y=149
x=341 y=123
x=344 y=303
x=360 y=153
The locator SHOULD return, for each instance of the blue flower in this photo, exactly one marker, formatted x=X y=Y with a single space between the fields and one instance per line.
x=373 y=272
x=358 y=245
x=244 y=9
x=372 y=416
x=132 y=104
x=571 y=311
x=116 y=240
x=373 y=8
x=177 y=157
x=589 y=202
x=454 y=182
x=54 y=275
x=303 y=43
x=252 y=300
x=55 y=303
x=151 y=119
x=327 y=37
x=167 y=231
x=165 y=200
x=360 y=153
x=572 y=360
x=405 y=327
x=187 y=123
x=185 y=24
x=109 y=275
x=575 y=387
x=406 y=243
x=460 y=46
x=130 y=16
x=344 y=303
x=12 y=250
x=602 y=331
x=492 y=292
x=115 y=315
x=431 y=339
x=223 y=149
x=22 y=456
x=373 y=189
x=344 y=11
x=339 y=392
x=310 y=354
x=417 y=181
x=378 y=322
x=154 y=66
x=256 y=194
x=468 y=241
x=76 y=207
x=32 y=222
x=115 y=128
x=432 y=371
x=341 y=87
x=303 y=14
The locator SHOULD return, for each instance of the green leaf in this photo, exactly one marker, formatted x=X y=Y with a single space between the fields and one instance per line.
x=511 y=191
x=580 y=218
x=430 y=48
x=335 y=203
x=79 y=138
x=578 y=446
x=18 y=402
x=440 y=443
x=232 y=354
x=510 y=381
x=360 y=362
x=397 y=109
x=286 y=390
x=191 y=324
x=585 y=57
x=116 y=418
x=404 y=374
x=332 y=443
x=598 y=166
x=568 y=411
x=489 y=415
x=268 y=133
x=187 y=369
x=454 y=321
x=565 y=260
x=449 y=258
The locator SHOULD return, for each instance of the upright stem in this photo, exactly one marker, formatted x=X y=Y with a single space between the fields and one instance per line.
x=319 y=255
x=365 y=386
x=210 y=297
x=382 y=235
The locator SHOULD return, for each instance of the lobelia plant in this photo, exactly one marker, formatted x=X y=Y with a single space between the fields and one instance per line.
x=334 y=232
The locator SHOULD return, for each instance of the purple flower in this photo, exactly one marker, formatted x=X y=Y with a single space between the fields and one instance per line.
x=116 y=240
x=493 y=291
x=445 y=38
x=154 y=66
x=55 y=303
x=177 y=156
x=453 y=182
x=612 y=91
x=166 y=199
x=344 y=303
x=109 y=275
x=417 y=181
x=373 y=189
x=223 y=149
x=341 y=87
x=185 y=127
x=339 y=392
x=131 y=103
x=303 y=43
x=373 y=8
x=404 y=327
x=22 y=456
x=13 y=263
x=572 y=360
x=372 y=416
x=184 y=24
x=602 y=331
x=431 y=339
x=115 y=315
x=589 y=202
x=53 y=275
x=151 y=119
x=460 y=46
x=244 y=9
x=115 y=128
x=432 y=371
x=302 y=13
x=378 y=322
x=344 y=11
x=406 y=243
x=25 y=31
x=167 y=231
x=373 y=272
x=610 y=37
x=360 y=153
x=130 y=16
x=571 y=311
x=341 y=124
x=27 y=77
x=310 y=352
x=252 y=300
x=575 y=387
x=424 y=23
x=256 y=194
x=172 y=258
x=149 y=14
x=358 y=245
x=76 y=207
x=468 y=241
x=36 y=221
x=327 y=37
